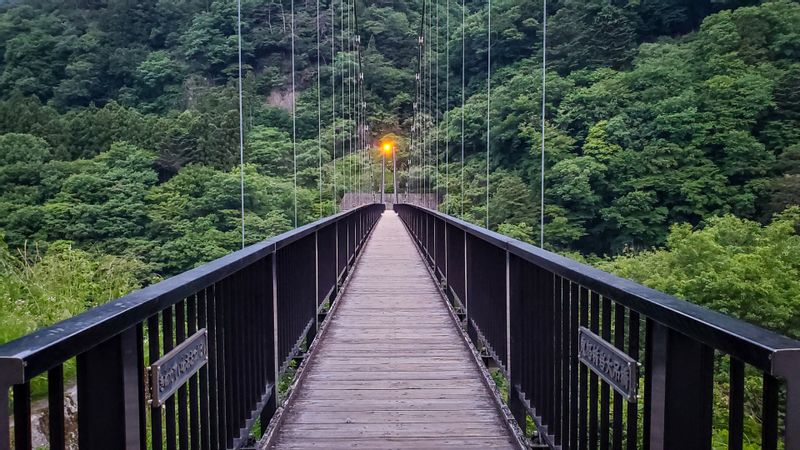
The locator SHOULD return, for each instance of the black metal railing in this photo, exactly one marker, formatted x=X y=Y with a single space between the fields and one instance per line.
x=577 y=343
x=248 y=313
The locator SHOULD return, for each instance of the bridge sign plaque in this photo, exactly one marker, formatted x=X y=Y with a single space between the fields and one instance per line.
x=176 y=367
x=612 y=365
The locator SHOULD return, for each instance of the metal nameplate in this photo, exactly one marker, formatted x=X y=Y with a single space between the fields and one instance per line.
x=176 y=367
x=611 y=364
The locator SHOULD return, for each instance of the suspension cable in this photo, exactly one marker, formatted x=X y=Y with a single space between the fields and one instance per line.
x=447 y=109
x=488 y=101
x=544 y=96
x=350 y=164
x=294 y=121
x=241 y=111
x=319 y=114
x=463 y=95
x=419 y=104
x=429 y=121
x=436 y=118
x=345 y=182
x=426 y=106
x=333 y=102
x=423 y=111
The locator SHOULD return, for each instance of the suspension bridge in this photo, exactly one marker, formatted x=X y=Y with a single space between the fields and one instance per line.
x=397 y=328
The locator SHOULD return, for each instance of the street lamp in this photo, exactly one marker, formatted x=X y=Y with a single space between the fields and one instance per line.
x=388 y=148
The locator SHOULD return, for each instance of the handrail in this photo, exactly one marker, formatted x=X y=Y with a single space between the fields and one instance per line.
x=85 y=330
x=243 y=317
x=762 y=348
x=559 y=328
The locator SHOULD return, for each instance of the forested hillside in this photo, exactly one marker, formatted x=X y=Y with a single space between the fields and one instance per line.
x=119 y=121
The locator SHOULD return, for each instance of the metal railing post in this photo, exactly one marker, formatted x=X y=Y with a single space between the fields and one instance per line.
x=316 y=280
x=788 y=368
x=681 y=400
x=336 y=261
x=275 y=334
x=11 y=373
x=446 y=260
x=515 y=401
x=108 y=383
x=508 y=313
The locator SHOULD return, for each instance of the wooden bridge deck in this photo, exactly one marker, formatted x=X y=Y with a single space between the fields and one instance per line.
x=391 y=369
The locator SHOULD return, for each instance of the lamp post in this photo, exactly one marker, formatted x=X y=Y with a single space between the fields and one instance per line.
x=387 y=148
x=383 y=175
x=394 y=175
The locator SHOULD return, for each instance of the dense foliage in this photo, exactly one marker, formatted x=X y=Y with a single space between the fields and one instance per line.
x=57 y=285
x=732 y=265
x=119 y=124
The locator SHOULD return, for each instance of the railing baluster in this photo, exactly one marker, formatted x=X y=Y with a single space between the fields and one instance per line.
x=108 y=394
x=547 y=340
x=141 y=386
x=169 y=405
x=518 y=316
x=605 y=396
x=736 y=405
x=204 y=434
x=769 y=413
x=594 y=299
x=619 y=342
x=633 y=409
x=55 y=406
x=558 y=353
x=183 y=407
x=584 y=376
x=22 y=416
x=648 y=375
x=576 y=367
x=681 y=411
x=153 y=342
x=216 y=384
x=194 y=406
x=566 y=332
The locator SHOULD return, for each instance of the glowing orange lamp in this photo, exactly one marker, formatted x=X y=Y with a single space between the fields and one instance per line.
x=387 y=150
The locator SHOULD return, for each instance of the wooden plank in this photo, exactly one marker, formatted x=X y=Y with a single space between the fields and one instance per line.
x=388 y=394
x=391 y=443
x=392 y=375
x=380 y=417
x=392 y=370
x=463 y=406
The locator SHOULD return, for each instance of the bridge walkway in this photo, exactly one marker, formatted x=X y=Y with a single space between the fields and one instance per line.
x=391 y=369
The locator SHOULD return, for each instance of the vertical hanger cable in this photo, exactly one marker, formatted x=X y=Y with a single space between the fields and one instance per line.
x=241 y=111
